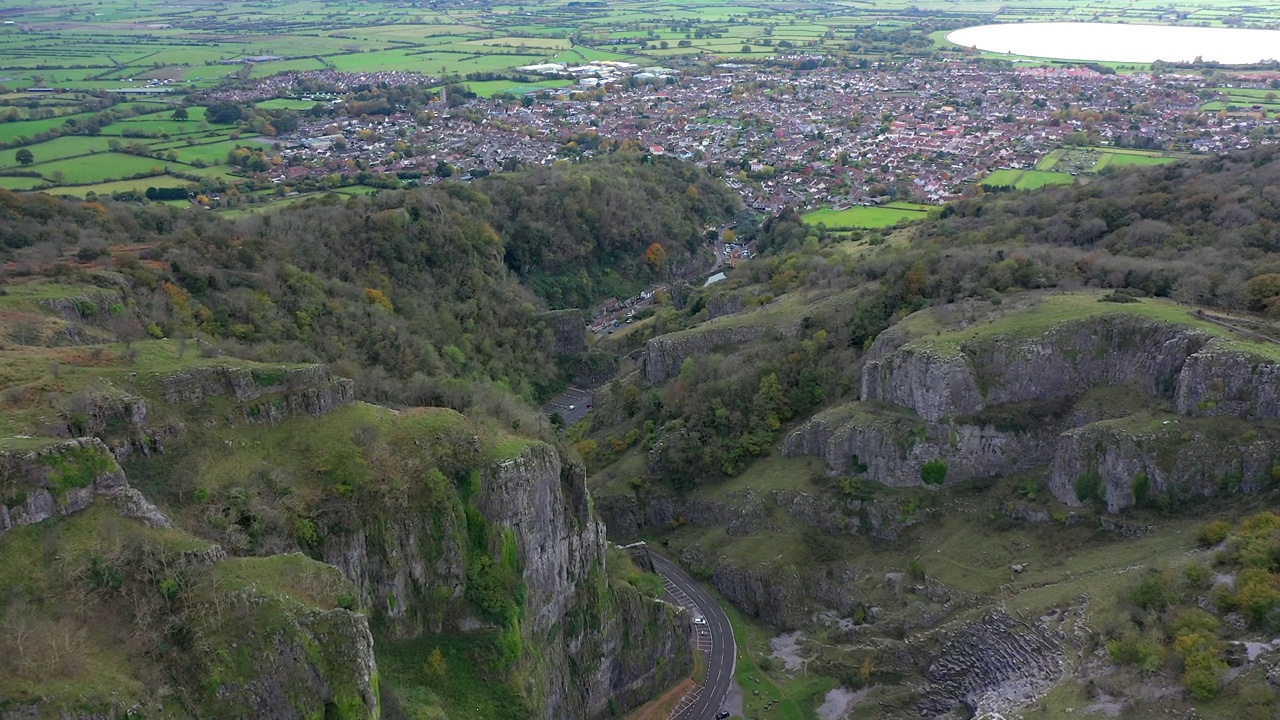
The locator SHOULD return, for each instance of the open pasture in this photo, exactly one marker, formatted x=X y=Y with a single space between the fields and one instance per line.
x=879 y=216
x=1026 y=179
x=97 y=168
x=122 y=43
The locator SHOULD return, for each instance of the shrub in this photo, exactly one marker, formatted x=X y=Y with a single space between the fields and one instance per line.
x=1198 y=576
x=1152 y=593
x=934 y=472
x=1214 y=533
x=1089 y=487
x=1141 y=490
x=1134 y=649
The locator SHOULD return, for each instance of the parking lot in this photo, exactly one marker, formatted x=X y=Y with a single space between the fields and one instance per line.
x=572 y=405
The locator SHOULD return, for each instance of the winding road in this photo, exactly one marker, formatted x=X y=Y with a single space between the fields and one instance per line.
x=714 y=639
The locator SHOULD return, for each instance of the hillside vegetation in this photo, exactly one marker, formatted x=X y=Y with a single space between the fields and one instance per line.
x=973 y=438
x=416 y=294
x=199 y=518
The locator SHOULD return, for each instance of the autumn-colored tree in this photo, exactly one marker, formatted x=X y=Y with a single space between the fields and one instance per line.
x=379 y=298
x=729 y=236
x=436 y=667
x=655 y=257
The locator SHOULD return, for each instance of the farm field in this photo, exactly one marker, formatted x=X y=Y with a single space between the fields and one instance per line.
x=1064 y=165
x=489 y=88
x=163 y=52
x=1026 y=179
x=880 y=216
x=192 y=46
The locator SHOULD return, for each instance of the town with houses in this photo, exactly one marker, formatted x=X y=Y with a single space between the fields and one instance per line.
x=924 y=131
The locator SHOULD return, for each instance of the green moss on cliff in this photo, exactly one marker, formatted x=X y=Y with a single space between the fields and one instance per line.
x=77 y=468
x=468 y=682
x=97 y=610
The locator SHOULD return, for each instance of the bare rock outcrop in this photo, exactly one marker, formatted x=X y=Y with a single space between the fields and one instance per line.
x=932 y=399
x=1218 y=380
x=665 y=354
x=265 y=394
x=944 y=382
x=63 y=479
x=991 y=665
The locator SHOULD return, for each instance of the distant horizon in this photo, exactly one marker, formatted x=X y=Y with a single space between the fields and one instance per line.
x=1122 y=42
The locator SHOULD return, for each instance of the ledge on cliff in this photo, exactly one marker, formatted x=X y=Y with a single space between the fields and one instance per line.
x=140 y=609
x=956 y=359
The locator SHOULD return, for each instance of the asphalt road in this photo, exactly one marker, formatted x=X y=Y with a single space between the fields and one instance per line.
x=720 y=648
x=571 y=404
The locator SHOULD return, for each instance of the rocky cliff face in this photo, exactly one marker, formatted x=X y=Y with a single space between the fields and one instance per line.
x=248 y=653
x=567 y=330
x=562 y=553
x=586 y=645
x=63 y=479
x=889 y=446
x=1067 y=358
x=952 y=391
x=1218 y=380
x=1121 y=464
x=267 y=394
x=664 y=354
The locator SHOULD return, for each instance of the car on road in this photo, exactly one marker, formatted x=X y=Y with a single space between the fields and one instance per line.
x=699 y=619
x=722 y=715
x=573 y=407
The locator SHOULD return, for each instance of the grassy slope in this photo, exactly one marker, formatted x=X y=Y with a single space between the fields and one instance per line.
x=1032 y=315
x=272 y=473
x=963 y=539
x=867 y=217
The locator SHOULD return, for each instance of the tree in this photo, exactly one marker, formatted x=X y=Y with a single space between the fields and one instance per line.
x=436 y=667
x=181 y=114
x=24 y=157
x=933 y=472
x=655 y=257
x=223 y=113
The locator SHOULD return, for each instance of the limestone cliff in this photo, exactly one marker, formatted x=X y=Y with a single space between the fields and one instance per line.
x=941 y=381
x=566 y=330
x=64 y=478
x=988 y=403
x=587 y=644
x=227 y=636
x=1123 y=463
x=664 y=354
x=265 y=394
x=1219 y=380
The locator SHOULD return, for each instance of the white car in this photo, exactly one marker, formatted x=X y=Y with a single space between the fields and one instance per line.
x=700 y=620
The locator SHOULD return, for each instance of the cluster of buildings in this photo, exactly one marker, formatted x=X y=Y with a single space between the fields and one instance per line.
x=925 y=131
x=613 y=313
x=286 y=83
x=602 y=72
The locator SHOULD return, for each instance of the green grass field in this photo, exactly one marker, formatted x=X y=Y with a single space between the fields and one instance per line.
x=98 y=168
x=489 y=88
x=1124 y=160
x=1033 y=314
x=1026 y=179
x=880 y=216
